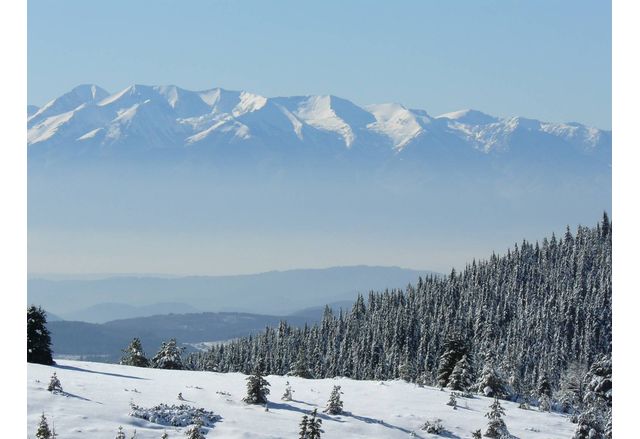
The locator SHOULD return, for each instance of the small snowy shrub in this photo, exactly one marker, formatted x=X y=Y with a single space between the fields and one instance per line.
x=288 y=393
x=54 y=384
x=434 y=426
x=175 y=415
x=452 y=401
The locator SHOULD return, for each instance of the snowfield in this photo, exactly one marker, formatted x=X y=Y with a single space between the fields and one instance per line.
x=97 y=397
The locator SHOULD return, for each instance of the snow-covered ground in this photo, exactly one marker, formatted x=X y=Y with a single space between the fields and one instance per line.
x=97 y=401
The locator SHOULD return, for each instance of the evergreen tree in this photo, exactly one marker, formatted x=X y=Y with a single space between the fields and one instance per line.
x=598 y=383
x=54 y=384
x=545 y=403
x=334 y=405
x=597 y=401
x=164 y=435
x=304 y=428
x=257 y=386
x=452 y=401
x=301 y=366
x=544 y=387
x=288 y=393
x=572 y=388
x=591 y=425
x=120 y=434
x=134 y=355
x=454 y=350
x=38 y=337
x=169 y=356
x=515 y=386
x=491 y=382
x=43 y=431
x=496 y=428
x=476 y=434
x=195 y=432
x=314 y=427
x=461 y=377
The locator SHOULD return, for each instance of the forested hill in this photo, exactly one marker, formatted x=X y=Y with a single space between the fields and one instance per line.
x=535 y=311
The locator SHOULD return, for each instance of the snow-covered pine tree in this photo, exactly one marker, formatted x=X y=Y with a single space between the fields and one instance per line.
x=572 y=387
x=476 y=434
x=334 y=405
x=496 y=428
x=304 y=425
x=545 y=404
x=288 y=393
x=43 y=431
x=454 y=350
x=461 y=377
x=597 y=400
x=169 y=356
x=120 y=434
x=134 y=355
x=491 y=382
x=164 y=435
x=591 y=424
x=257 y=386
x=598 y=383
x=195 y=432
x=38 y=337
x=301 y=366
x=452 y=400
x=314 y=427
x=544 y=387
x=54 y=384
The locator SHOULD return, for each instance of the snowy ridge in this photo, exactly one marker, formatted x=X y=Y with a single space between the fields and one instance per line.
x=97 y=400
x=396 y=122
x=169 y=116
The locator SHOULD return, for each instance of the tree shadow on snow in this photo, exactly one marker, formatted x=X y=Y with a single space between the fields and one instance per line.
x=377 y=421
x=71 y=395
x=283 y=406
x=448 y=434
x=301 y=402
x=79 y=369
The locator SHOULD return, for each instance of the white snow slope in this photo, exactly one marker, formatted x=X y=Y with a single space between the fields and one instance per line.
x=97 y=397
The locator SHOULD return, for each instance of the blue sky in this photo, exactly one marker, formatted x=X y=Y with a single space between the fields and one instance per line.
x=543 y=59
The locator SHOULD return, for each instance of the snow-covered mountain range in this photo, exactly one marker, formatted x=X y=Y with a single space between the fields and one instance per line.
x=90 y=119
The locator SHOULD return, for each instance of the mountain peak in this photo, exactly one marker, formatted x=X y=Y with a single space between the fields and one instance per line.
x=469 y=117
x=89 y=92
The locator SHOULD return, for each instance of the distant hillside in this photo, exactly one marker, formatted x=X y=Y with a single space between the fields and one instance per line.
x=104 y=342
x=274 y=293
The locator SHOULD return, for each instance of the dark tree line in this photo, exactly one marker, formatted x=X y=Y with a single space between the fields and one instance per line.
x=525 y=317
